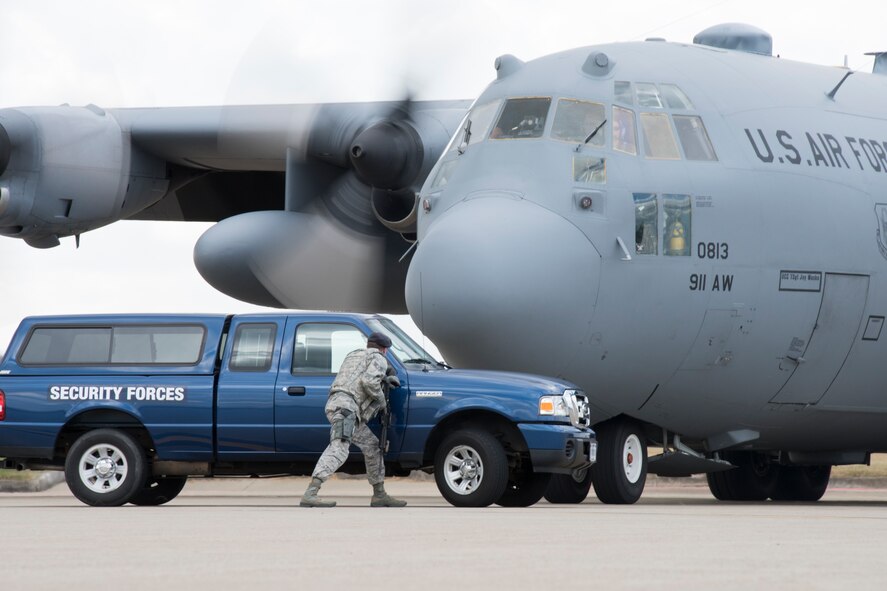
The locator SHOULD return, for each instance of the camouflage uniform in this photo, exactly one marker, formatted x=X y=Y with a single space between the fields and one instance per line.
x=355 y=397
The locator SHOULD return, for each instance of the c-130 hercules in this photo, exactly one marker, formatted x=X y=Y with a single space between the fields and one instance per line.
x=694 y=233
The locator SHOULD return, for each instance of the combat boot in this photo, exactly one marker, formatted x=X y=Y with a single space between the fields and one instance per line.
x=383 y=499
x=310 y=498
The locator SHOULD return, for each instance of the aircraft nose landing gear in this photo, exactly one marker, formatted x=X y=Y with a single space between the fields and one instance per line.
x=620 y=473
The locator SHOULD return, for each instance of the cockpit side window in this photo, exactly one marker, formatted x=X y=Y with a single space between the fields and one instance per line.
x=522 y=118
x=575 y=120
x=659 y=141
x=624 y=131
x=675 y=97
x=648 y=95
x=646 y=223
x=694 y=138
x=479 y=121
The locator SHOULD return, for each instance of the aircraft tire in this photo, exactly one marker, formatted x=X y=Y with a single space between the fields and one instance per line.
x=471 y=468
x=801 y=483
x=524 y=489
x=620 y=473
x=105 y=468
x=565 y=488
x=753 y=479
x=159 y=491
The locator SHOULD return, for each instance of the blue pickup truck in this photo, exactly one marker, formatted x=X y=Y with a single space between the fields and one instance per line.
x=130 y=406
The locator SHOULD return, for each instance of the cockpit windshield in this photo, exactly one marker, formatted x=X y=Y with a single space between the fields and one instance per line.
x=402 y=346
x=576 y=120
x=522 y=118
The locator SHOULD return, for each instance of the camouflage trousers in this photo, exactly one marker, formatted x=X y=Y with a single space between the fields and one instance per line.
x=336 y=452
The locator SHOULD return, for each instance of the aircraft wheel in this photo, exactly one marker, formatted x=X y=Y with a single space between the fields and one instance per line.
x=524 y=489
x=159 y=491
x=569 y=488
x=620 y=473
x=105 y=468
x=471 y=468
x=801 y=483
x=753 y=479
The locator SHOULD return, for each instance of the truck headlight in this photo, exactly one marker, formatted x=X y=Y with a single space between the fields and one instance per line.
x=572 y=404
x=553 y=406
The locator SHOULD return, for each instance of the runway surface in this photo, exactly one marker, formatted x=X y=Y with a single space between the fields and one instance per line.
x=251 y=534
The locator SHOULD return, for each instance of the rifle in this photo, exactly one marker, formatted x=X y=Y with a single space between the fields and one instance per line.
x=388 y=382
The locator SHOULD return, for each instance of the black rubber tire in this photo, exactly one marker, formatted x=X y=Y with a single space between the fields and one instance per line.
x=159 y=491
x=611 y=485
x=801 y=483
x=492 y=457
x=120 y=487
x=564 y=488
x=753 y=479
x=524 y=489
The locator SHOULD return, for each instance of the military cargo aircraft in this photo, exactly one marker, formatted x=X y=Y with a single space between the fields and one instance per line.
x=739 y=331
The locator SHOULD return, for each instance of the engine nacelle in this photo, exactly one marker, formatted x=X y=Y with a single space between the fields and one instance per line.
x=70 y=170
x=304 y=261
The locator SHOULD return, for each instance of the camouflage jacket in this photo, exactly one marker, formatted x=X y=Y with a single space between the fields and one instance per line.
x=360 y=377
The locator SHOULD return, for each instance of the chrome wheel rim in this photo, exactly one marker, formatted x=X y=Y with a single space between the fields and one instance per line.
x=463 y=470
x=103 y=468
x=632 y=458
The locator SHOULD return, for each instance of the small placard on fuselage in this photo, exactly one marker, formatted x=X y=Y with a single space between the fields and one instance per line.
x=800 y=281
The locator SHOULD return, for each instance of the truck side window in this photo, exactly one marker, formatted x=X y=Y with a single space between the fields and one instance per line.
x=253 y=347
x=67 y=346
x=322 y=346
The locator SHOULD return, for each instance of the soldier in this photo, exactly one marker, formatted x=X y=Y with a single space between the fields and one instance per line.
x=355 y=397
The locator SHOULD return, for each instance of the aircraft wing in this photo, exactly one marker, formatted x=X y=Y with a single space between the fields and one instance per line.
x=335 y=183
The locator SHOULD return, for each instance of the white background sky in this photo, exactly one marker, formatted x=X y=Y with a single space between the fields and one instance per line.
x=201 y=52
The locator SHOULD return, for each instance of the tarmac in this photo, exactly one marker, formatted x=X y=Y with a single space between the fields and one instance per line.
x=251 y=534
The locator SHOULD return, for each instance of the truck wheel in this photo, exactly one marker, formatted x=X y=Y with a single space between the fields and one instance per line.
x=753 y=478
x=524 y=489
x=620 y=473
x=159 y=491
x=801 y=483
x=569 y=488
x=471 y=468
x=105 y=468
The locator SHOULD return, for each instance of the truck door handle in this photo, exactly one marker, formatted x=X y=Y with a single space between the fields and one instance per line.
x=296 y=390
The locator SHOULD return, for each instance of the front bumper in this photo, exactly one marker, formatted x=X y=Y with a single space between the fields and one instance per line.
x=560 y=449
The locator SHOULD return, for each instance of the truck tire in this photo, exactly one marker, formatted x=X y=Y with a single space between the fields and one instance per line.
x=620 y=473
x=471 y=468
x=105 y=468
x=801 y=483
x=158 y=491
x=524 y=489
x=567 y=488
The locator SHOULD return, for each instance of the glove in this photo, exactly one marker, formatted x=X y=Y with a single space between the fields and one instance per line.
x=392 y=381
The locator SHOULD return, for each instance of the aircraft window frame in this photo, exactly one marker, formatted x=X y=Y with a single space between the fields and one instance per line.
x=695 y=138
x=521 y=125
x=336 y=354
x=262 y=347
x=623 y=93
x=622 y=142
x=570 y=119
x=646 y=223
x=677 y=224
x=647 y=95
x=659 y=137
x=479 y=132
x=675 y=98
x=443 y=174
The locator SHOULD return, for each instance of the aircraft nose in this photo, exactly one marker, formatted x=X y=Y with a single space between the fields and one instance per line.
x=502 y=283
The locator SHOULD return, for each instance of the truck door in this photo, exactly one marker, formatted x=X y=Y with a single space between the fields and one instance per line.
x=245 y=393
x=840 y=316
x=312 y=353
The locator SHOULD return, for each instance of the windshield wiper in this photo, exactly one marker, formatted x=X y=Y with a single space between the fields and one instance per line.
x=591 y=135
x=420 y=360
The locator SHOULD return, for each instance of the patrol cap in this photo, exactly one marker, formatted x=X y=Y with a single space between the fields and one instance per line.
x=379 y=339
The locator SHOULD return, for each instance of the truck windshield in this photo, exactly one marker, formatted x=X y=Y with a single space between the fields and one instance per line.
x=404 y=348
